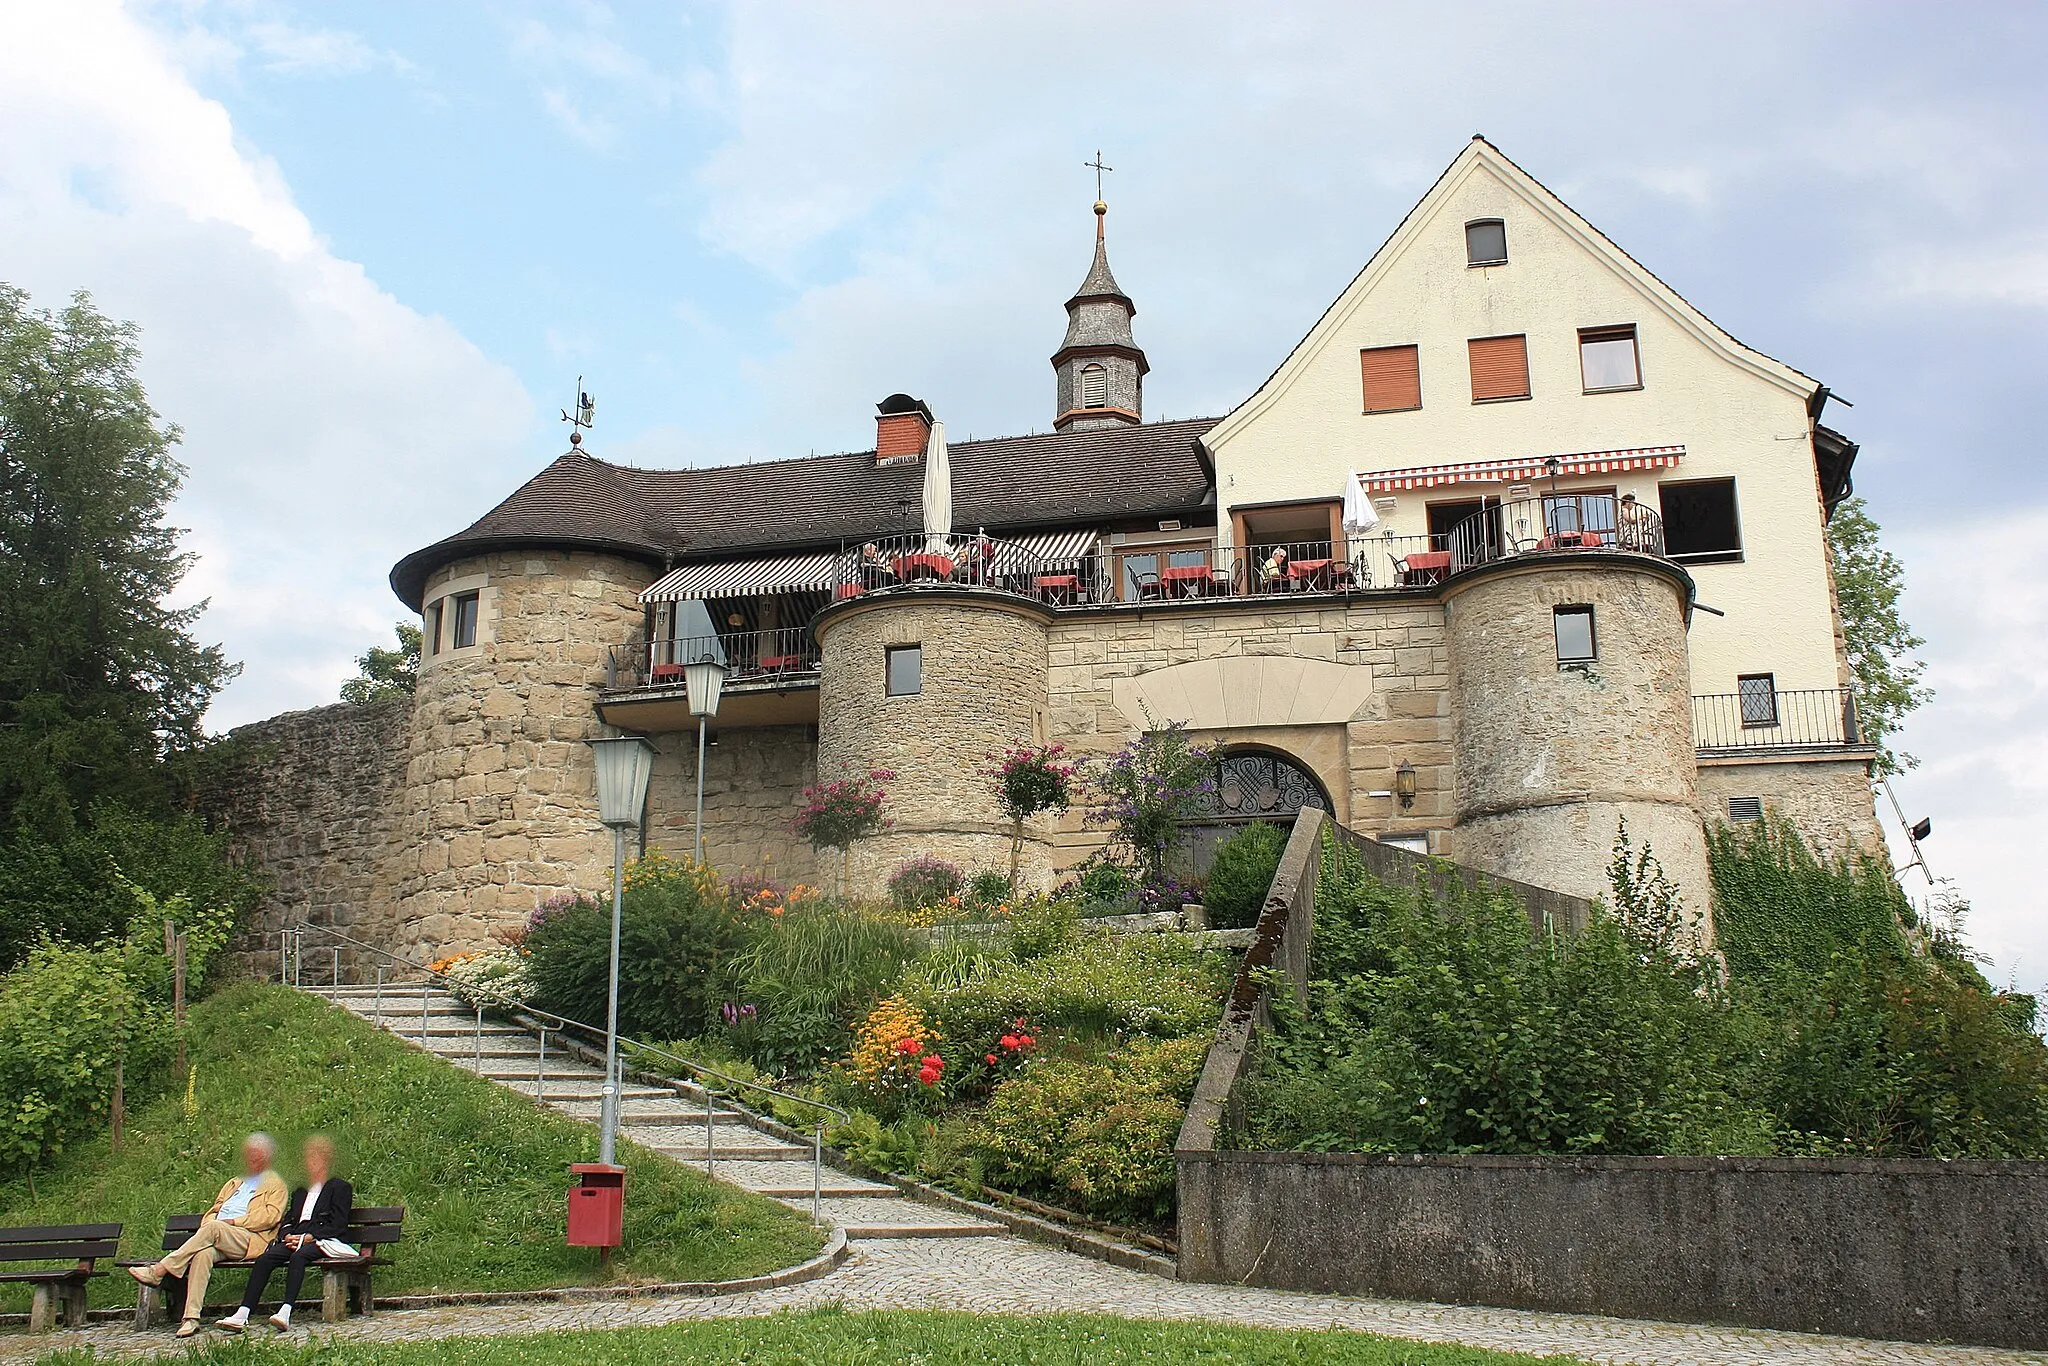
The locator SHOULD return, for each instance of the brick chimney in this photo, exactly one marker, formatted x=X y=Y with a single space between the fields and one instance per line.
x=902 y=425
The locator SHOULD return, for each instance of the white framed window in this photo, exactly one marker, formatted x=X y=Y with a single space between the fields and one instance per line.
x=1486 y=242
x=1094 y=386
x=464 y=610
x=904 y=670
x=1608 y=359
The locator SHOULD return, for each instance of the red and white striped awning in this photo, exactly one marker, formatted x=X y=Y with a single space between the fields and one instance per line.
x=816 y=570
x=1522 y=469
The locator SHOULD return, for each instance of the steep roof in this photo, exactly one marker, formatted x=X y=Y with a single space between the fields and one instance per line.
x=716 y=511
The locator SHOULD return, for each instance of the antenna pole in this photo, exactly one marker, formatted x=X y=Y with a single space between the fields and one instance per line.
x=1919 y=856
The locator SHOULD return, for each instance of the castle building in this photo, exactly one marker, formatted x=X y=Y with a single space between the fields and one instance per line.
x=1513 y=546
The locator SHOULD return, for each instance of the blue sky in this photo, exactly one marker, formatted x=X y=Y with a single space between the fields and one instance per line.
x=372 y=246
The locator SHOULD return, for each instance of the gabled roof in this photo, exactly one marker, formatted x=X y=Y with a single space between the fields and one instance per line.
x=1009 y=484
x=1481 y=157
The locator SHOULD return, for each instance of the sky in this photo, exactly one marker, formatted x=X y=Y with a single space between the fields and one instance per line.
x=372 y=246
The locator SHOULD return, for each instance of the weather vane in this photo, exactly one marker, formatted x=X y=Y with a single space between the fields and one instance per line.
x=585 y=415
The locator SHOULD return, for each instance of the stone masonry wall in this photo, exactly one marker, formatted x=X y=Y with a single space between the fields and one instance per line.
x=753 y=788
x=1828 y=799
x=317 y=805
x=501 y=792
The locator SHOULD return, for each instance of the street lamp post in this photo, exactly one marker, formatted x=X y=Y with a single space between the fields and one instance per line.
x=704 y=678
x=624 y=763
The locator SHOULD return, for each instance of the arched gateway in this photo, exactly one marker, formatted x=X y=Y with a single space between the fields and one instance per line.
x=1251 y=785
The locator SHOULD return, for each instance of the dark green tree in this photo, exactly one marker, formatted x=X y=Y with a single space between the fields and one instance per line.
x=100 y=679
x=382 y=673
x=1868 y=582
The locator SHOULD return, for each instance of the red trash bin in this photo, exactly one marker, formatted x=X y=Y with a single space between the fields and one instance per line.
x=597 y=1205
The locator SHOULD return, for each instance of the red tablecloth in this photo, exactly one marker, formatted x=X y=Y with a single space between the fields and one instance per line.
x=1571 y=540
x=923 y=567
x=1188 y=580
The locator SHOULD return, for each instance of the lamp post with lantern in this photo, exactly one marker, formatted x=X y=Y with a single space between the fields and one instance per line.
x=704 y=680
x=624 y=764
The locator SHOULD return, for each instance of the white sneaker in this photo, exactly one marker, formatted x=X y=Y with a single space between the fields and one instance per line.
x=282 y=1320
x=235 y=1322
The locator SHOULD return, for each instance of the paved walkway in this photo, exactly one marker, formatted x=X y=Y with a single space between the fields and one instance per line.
x=977 y=1269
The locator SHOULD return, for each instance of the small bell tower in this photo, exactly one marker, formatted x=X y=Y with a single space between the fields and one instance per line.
x=1099 y=370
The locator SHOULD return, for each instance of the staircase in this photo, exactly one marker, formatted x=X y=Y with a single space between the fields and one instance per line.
x=674 y=1121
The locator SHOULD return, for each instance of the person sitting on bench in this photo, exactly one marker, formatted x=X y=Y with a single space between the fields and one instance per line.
x=316 y=1225
x=240 y=1225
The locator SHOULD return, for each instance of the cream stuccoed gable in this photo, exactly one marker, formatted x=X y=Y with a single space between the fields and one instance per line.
x=1735 y=411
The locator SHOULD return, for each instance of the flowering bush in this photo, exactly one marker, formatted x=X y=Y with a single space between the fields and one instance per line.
x=752 y=895
x=1168 y=894
x=1148 y=789
x=924 y=881
x=489 y=977
x=895 y=1063
x=837 y=813
x=1030 y=780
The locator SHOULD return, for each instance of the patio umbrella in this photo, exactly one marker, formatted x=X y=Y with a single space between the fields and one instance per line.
x=938 y=491
x=1361 y=518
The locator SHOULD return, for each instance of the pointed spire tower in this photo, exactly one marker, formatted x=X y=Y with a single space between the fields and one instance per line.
x=1100 y=370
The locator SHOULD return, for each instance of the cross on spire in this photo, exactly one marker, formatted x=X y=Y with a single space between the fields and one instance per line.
x=1099 y=168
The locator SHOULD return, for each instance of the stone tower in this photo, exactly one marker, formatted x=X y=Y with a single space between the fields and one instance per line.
x=1553 y=755
x=1100 y=372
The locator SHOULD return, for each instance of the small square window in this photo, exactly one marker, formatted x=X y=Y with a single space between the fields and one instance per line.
x=1574 y=628
x=905 y=670
x=432 y=629
x=1700 y=520
x=1486 y=242
x=1757 y=694
x=1608 y=360
x=464 y=633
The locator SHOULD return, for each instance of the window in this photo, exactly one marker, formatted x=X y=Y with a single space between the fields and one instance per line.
x=1607 y=358
x=1393 y=379
x=1757 y=695
x=1500 y=368
x=1574 y=628
x=1574 y=514
x=1700 y=521
x=1745 y=808
x=1094 y=387
x=1486 y=242
x=464 y=626
x=1141 y=569
x=432 y=630
x=1414 y=844
x=905 y=669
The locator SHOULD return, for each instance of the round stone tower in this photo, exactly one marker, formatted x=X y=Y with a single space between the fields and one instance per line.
x=977 y=663
x=501 y=795
x=1572 y=697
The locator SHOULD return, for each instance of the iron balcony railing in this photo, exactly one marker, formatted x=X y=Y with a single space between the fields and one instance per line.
x=1554 y=522
x=1766 y=718
x=750 y=656
x=940 y=559
x=1145 y=573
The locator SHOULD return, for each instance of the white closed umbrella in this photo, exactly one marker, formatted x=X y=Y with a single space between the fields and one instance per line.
x=938 y=491
x=1361 y=518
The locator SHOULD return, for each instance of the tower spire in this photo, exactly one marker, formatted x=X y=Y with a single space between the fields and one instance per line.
x=1099 y=370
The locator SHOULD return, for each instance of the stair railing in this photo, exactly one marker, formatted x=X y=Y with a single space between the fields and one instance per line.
x=291 y=950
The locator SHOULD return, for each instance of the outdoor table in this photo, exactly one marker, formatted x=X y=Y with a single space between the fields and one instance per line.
x=1188 y=581
x=667 y=673
x=1058 y=587
x=1427 y=566
x=923 y=567
x=1311 y=573
x=1571 y=540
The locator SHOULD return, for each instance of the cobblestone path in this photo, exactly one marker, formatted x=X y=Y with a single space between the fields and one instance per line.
x=979 y=1268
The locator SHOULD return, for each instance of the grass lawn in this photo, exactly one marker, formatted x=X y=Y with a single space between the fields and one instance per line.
x=833 y=1338
x=481 y=1171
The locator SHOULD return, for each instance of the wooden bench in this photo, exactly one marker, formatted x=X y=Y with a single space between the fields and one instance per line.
x=371 y=1228
x=58 y=1291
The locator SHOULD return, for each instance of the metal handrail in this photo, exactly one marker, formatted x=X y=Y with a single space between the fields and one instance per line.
x=295 y=934
x=747 y=655
x=1553 y=523
x=1778 y=718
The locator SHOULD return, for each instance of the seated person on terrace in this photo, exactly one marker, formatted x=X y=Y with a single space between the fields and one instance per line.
x=241 y=1224
x=316 y=1222
x=1274 y=570
x=875 y=570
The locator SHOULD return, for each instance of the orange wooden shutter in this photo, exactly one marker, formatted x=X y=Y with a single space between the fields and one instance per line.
x=1500 y=367
x=1393 y=379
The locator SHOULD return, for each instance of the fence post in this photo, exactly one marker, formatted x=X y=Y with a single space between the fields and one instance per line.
x=426 y=985
x=283 y=956
x=540 y=1069
x=817 y=1173
x=178 y=991
x=377 y=1006
x=336 y=972
x=476 y=1057
x=709 y=1141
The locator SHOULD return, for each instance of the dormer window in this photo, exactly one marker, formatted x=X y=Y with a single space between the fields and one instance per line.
x=1094 y=386
x=1486 y=242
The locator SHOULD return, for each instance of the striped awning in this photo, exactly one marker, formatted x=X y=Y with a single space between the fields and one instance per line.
x=1523 y=469
x=817 y=571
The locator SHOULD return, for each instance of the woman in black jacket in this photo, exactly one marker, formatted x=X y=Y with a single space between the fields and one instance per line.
x=318 y=1211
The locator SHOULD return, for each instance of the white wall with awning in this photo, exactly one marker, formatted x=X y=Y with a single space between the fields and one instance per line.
x=816 y=571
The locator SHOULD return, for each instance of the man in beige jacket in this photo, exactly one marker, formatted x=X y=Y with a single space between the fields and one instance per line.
x=241 y=1224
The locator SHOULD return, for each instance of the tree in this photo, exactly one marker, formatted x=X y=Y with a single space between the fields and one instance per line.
x=1868 y=582
x=382 y=673
x=100 y=680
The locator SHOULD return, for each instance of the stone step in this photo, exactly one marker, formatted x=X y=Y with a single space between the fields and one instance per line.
x=753 y=1152
x=870 y=1217
x=793 y=1178
x=667 y=1113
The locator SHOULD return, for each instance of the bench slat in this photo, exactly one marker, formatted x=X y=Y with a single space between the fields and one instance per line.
x=59 y=1233
x=50 y=1252
x=70 y=1274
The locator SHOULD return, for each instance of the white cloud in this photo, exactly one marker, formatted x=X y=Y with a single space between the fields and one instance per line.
x=291 y=50
x=328 y=428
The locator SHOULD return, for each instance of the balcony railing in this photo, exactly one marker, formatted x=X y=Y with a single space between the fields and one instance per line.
x=1554 y=522
x=1810 y=718
x=750 y=656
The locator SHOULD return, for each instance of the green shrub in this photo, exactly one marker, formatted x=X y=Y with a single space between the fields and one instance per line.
x=1105 y=880
x=924 y=881
x=988 y=889
x=808 y=974
x=1097 y=1135
x=1104 y=985
x=68 y=1016
x=1778 y=908
x=1242 y=874
x=677 y=936
x=1039 y=927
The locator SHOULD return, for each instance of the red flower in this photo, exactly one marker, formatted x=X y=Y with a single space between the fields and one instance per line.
x=1008 y=1041
x=933 y=1062
x=1025 y=1041
x=991 y=1060
x=908 y=1045
x=930 y=1076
